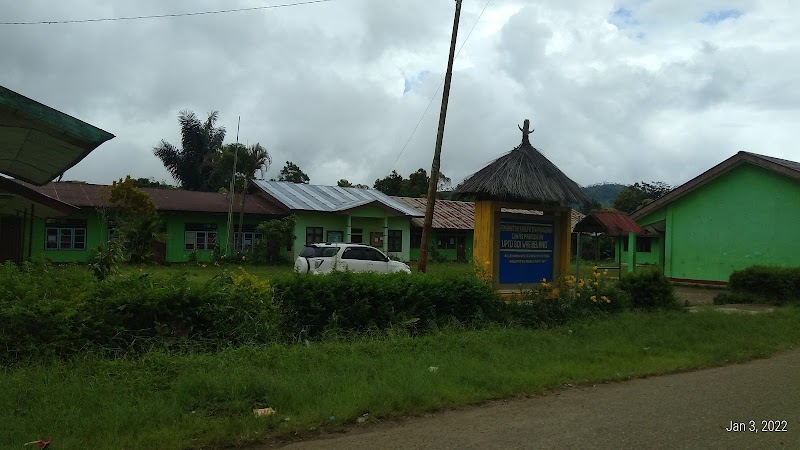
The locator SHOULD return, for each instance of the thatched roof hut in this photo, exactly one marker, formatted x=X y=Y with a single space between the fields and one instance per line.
x=523 y=175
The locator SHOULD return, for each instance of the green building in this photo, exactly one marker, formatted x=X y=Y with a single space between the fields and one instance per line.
x=339 y=214
x=741 y=212
x=37 y=144
x=195 y=222
x=452 y=228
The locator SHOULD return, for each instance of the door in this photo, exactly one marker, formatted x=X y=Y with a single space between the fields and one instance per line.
x=461 y=249
x=11 y=239
x=376 y=239
x=376 y=261
x=353 y=259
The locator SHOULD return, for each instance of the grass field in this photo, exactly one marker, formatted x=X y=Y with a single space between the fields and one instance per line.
x=163 y=401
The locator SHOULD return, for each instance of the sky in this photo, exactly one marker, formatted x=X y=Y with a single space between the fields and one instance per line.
x=617 y=91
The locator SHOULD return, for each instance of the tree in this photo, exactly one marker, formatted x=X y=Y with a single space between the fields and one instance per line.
x=415 y=186
x=344 y=183
x=149 y=182
x=136 y=218
x=292 y=173
x=250 y=160
x=192 y=165
x=639 y=194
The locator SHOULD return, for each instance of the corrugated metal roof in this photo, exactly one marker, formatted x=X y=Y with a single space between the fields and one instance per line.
x=19 y=195
x=39 y=142
x=306 y=197
x=456 y=215
x=612 y=223
x=447 y=214
x=89 y=195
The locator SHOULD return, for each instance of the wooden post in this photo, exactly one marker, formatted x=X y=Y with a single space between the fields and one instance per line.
x=422 y=264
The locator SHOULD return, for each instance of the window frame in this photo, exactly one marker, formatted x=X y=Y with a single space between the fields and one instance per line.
x=395 y=241
x=194 y=232
x=76 y=228
x=313 y=232
x=356 y=232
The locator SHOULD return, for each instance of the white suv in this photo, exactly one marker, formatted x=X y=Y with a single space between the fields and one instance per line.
x=323 y=258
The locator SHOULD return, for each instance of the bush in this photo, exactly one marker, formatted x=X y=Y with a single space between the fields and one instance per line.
x=569 y=298
x=767 y=284
x=45 y=315
x=357 y=302
x=649 y=290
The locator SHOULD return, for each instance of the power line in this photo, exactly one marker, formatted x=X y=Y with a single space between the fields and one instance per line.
x=439 y=86
x=161 y=16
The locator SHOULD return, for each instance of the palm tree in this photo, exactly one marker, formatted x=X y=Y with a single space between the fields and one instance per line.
x=250 y=160
x=201 y=143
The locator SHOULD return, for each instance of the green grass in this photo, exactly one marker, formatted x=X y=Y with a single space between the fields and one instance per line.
x=200 y=400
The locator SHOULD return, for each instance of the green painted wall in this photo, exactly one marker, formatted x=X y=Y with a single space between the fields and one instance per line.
x=370 y=219
x=450 y=254
x=654 y=256
x=746 y=216
x=97 y=232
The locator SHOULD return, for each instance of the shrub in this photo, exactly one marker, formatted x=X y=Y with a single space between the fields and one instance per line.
x=767 y=284
x=568 y=298
x=357 y=302
x=649 y=290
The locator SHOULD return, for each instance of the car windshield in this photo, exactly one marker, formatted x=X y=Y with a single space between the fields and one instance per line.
x=316 y=252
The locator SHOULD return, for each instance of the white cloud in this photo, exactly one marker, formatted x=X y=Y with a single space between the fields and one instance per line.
x=654 y=94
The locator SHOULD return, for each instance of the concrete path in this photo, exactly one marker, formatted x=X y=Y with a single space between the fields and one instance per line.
x=681 y=411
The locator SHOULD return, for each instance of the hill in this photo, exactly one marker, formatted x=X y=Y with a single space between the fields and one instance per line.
x=604 y=193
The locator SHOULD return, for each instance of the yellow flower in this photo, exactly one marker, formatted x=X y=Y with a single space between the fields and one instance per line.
x=578 y=294
x=605 y=272
x=594 y=298
x=605 y=299
x=581 y=284
x=594 y=268
x=595 y=284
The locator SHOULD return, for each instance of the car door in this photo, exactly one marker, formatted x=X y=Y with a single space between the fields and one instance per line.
x=377 y=261
x=353 y=259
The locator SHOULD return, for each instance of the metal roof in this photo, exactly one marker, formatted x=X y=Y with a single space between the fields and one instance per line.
x=306 y=197
x=456 y=215
x=39 y=143
x=446 y=213
x=165 y=199
x=612 y=223
x=17 y=197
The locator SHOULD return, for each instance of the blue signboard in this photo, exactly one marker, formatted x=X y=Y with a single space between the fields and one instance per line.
x=526 y=251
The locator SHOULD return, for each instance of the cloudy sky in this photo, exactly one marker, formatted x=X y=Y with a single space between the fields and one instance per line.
x=619 y=91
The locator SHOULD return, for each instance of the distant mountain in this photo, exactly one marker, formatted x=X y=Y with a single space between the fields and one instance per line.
x=604 y=193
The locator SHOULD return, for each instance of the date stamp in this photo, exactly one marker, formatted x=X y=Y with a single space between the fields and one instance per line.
x=758 y=426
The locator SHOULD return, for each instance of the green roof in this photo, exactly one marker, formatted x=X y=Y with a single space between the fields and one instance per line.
x=39 y=143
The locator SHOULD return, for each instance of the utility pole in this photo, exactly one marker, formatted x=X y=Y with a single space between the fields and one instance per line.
x=229 y=235
x=422 y=263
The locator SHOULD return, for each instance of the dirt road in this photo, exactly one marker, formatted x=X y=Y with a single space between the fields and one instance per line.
x=680 y=411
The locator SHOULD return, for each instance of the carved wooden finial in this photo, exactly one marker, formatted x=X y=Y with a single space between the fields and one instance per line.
x=526 y=131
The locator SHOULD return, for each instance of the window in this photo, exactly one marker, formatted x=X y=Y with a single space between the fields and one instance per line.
x=248 y=239
x=416 y=238
x=335 y=236
x=199 y=236
x=313 y=235
x=395 y=240
x=353 y=253
x=356 y=235
x=643 y=244
x=371 y=254
x=445 y=241
x=65 y=234
x=113 y=230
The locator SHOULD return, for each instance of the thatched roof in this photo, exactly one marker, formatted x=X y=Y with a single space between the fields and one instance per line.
x=523 y=175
